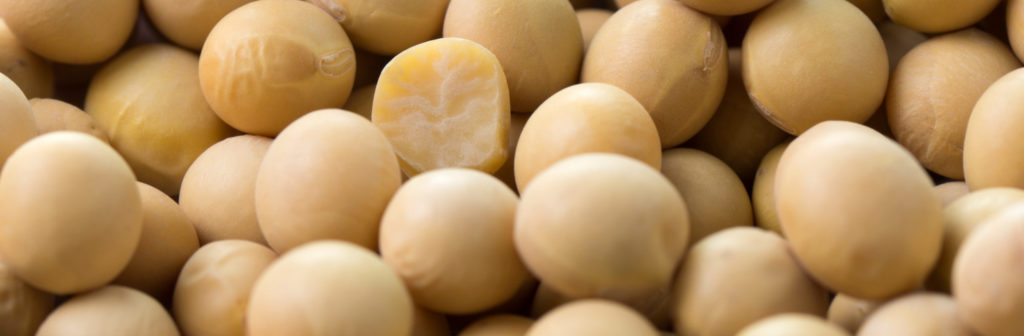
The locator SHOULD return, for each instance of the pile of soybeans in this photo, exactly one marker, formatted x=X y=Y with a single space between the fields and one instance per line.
x=512 y=167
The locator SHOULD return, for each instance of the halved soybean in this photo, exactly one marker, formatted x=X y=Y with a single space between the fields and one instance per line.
x=444 y=104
